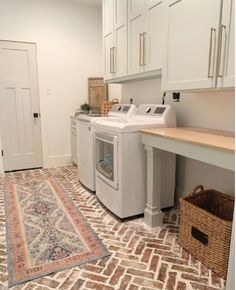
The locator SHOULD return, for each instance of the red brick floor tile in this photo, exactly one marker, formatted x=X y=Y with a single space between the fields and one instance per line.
x=141 y=258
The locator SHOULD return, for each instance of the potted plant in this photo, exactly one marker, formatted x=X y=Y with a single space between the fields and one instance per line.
x=85 y=107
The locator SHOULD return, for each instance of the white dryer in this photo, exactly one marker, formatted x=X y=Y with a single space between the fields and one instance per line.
x=85 y=141
x=121 y=161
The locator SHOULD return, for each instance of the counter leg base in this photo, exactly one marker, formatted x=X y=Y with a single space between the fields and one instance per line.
x=153 y=217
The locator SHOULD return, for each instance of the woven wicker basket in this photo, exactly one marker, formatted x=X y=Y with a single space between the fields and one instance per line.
x=205 y=227
x=107 y=105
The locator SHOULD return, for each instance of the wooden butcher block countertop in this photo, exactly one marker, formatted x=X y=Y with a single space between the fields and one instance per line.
x=221 y=140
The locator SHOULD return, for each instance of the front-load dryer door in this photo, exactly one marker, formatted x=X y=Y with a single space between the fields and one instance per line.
x=107 y=158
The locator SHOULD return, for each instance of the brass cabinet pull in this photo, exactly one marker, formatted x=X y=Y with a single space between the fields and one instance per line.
x=144 y=48
x=111 y=61
x=209 y=75
x=114 y=59
x=140 y=49
x=219 y=75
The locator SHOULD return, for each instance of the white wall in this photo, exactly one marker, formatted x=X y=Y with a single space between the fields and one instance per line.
x=68 y=37
x=142 y=91
x=1 y=160
x=214 y=110
x=115 y=91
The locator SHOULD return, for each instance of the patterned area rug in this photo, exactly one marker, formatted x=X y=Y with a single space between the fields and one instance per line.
x=45 y=231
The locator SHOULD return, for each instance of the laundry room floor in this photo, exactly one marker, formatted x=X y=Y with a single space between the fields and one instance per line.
x=141 y=258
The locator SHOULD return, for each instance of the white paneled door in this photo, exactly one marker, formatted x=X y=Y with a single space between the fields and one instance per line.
x=19 y=106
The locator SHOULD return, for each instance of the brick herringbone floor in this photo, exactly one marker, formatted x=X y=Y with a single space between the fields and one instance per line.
x=142 y=259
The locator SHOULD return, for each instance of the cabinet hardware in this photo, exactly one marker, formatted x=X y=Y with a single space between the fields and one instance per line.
x=209 y=75
x=114 y=58
x=140 y=49
x=144 y=48
x=219 y=75
x=111 y=61
x=36 y=115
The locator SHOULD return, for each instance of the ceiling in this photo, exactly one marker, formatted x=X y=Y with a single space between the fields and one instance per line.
x=90 y=2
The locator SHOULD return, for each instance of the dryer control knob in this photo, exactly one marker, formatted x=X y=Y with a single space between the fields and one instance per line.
x=148 y=110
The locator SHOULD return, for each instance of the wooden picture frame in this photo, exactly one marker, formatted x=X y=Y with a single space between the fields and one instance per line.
x=97 y=93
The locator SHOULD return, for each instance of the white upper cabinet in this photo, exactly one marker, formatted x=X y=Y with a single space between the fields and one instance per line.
x=107 y=55
x=108 y=16
x=115 y=38
x=136 y=38
x=225 y=73
x=136 y=7
x=108 y=19
x=145 y=31
x=120 y=38
x=191 y=42
x=132 y=38
x=154 y=36
x=197 y=47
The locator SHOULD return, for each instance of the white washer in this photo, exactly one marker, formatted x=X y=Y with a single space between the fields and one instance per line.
x=85 y=141
x=121 y=161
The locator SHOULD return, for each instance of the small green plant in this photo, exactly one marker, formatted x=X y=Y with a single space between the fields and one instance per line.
x=85 y=107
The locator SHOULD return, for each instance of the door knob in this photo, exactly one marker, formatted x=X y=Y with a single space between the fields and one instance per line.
x=36 y=115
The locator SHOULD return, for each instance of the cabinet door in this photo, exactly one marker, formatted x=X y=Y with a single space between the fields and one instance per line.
x=108 y=56
x=154 y=36
x=191 y=44
x=136 y=28
x=152 y=3
x=120 y=38
x=108 y=16
x=136 y=7
x=226 y=74
x=108 y=50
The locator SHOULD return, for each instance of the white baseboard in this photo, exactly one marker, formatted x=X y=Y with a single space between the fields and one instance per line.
x=1 y=159
x=57 y=160
x=50 y=161
x=1 y=165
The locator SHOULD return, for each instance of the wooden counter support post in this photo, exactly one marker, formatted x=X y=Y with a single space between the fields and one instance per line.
x=153 y=215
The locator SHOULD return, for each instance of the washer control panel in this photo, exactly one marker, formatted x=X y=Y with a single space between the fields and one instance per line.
x=151 y=110
x=164 y=114
x=124 y=110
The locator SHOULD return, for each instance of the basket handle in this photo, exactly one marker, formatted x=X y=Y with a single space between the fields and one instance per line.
x=115 y=101
x=197 y=189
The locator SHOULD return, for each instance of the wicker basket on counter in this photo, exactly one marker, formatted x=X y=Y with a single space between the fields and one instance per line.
x=107 y=105
x=205 y=227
